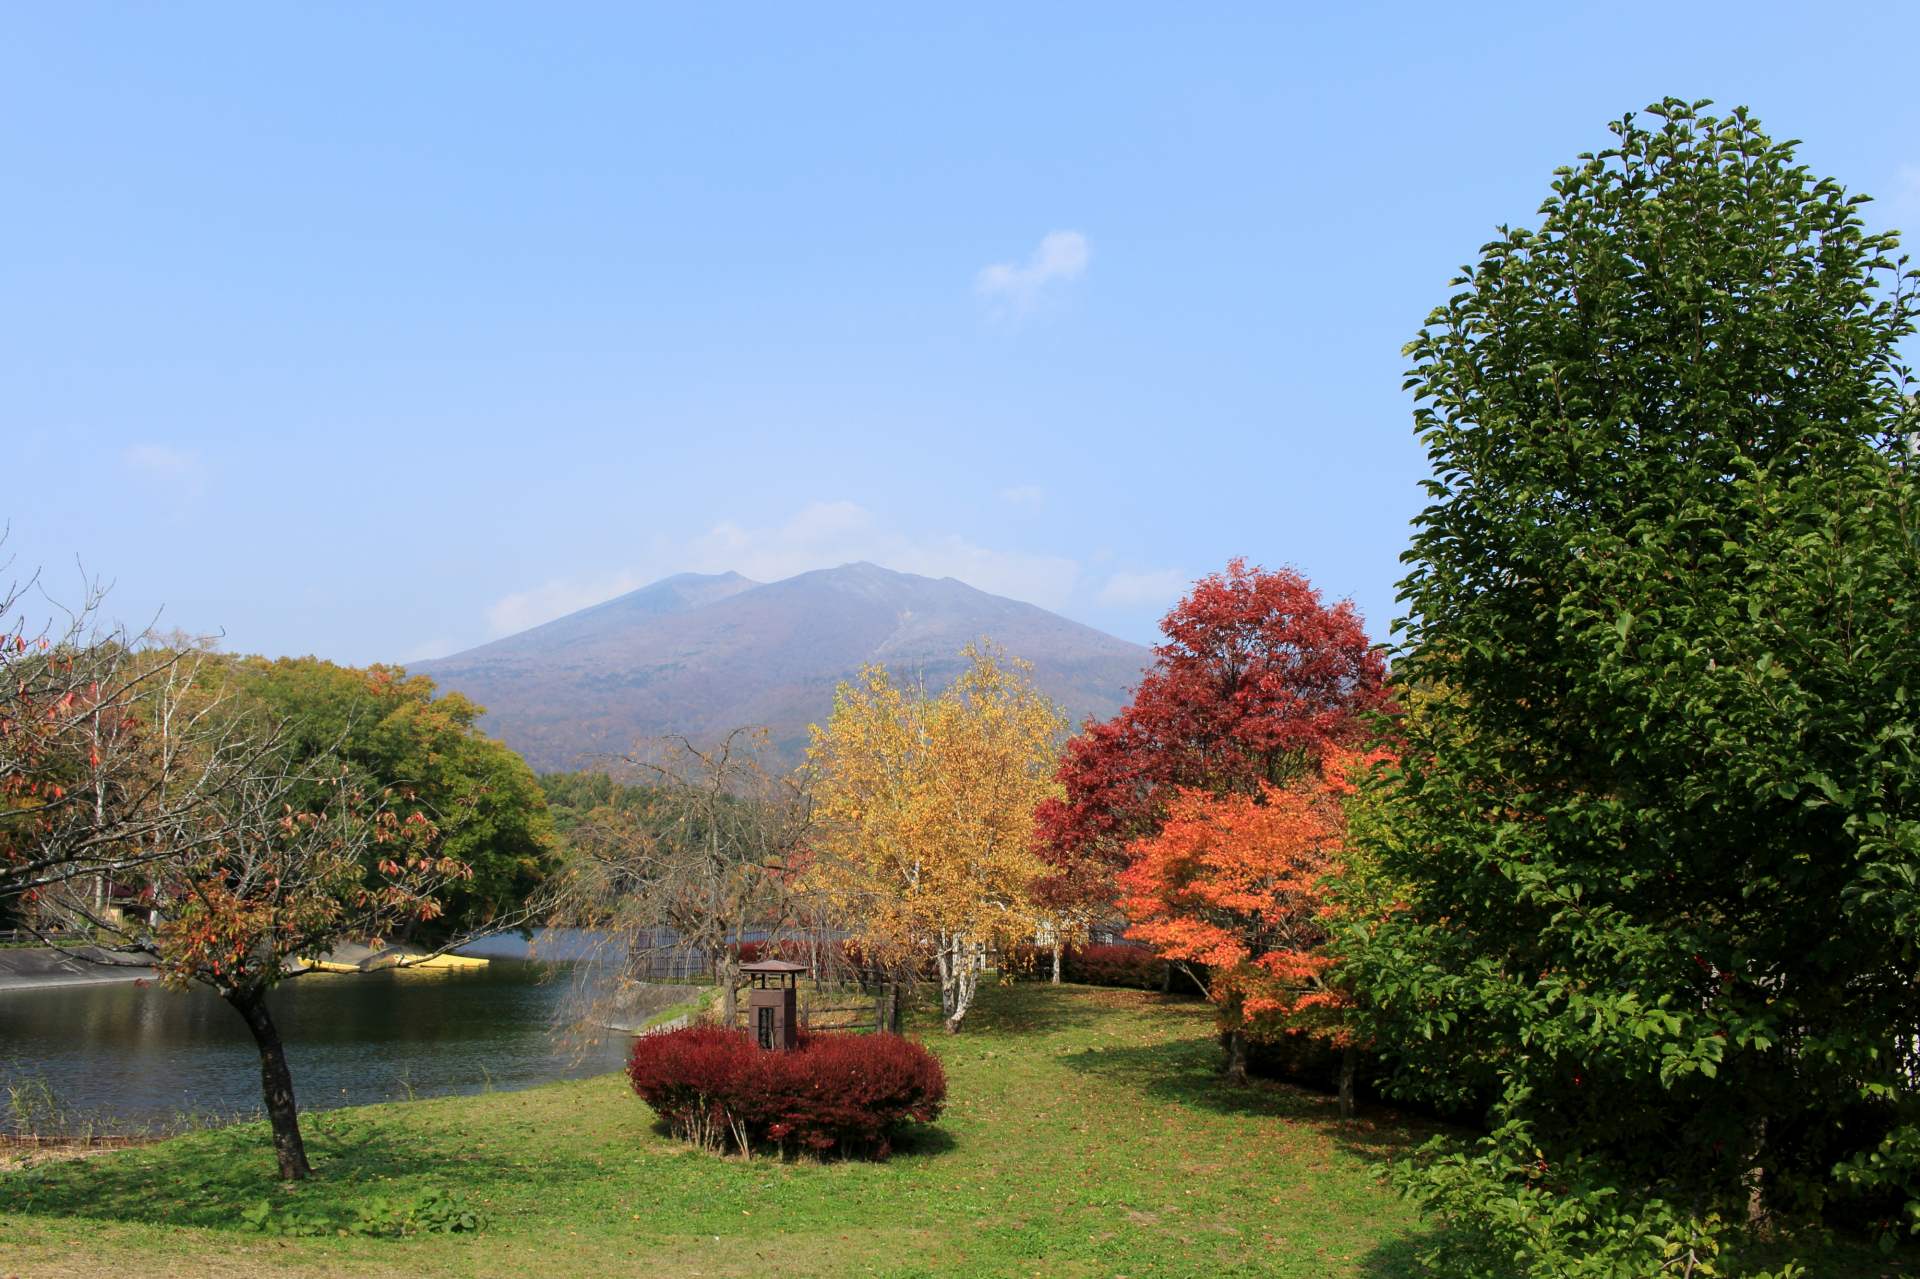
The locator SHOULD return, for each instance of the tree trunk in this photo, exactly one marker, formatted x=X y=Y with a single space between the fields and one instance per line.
x=947 y=956
x=1166 y=977
x=1236 y=1056
x=1349 y=1059
x=1756 y=1181
x=965 y=979
x=276 y=1084
x=729 y=975
x=1058 y=950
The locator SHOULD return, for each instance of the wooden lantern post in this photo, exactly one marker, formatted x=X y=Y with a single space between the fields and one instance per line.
x=773 y=1007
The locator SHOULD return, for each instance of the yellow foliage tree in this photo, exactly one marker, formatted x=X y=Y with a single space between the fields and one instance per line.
x=926 y=805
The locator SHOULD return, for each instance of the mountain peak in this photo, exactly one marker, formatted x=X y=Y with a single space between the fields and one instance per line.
x=865 y=570
x=728 y=576
x=860 y=575
x=701 y=654
x=673 y=594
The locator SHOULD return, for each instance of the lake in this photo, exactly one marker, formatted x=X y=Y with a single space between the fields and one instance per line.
x=130 y=1055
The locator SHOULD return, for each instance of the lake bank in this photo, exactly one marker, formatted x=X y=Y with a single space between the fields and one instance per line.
x=44 y=967
x=40 y=967
x=119 y=1056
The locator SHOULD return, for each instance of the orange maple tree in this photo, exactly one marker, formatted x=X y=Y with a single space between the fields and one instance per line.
x=1235 y=882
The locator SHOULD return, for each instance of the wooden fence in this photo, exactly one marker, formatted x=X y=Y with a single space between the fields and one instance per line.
x=835 y=1008
x=12 y=1141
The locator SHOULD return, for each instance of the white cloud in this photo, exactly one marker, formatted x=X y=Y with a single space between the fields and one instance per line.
x=820 y=535
x=1061 y=255
x=178 y=470
x=1023 y=495
x=1160 y=587
x=557 y=598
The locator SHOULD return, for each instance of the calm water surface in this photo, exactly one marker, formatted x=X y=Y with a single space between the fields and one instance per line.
x=142 y=1054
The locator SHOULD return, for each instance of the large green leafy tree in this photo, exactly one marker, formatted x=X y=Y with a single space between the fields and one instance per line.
x=1648 y=881
x=425 y=752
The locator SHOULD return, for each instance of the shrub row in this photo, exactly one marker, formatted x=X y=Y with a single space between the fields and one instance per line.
x=845 y=1094
x=1134 y=966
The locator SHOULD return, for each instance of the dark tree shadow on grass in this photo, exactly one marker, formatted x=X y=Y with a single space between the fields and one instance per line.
x=1401 y=1258
x=207 y=1179
x=916 y=1141
x=1188 y=1074
x=924 y=1141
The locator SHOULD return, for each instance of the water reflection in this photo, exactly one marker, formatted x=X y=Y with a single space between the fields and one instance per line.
x=143 y=1054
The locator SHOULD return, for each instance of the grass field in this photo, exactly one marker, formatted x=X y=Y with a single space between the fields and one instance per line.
x=1086 y=1135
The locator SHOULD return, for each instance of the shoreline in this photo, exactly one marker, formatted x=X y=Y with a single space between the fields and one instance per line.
x=47 y=968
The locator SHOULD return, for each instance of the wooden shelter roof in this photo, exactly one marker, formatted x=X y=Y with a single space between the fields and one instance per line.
x=773 y=966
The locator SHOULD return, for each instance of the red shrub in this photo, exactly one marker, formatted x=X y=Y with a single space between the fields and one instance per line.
x=1115 y=966
x=1091 y=965
x=847 y=1093
x=688 y=1075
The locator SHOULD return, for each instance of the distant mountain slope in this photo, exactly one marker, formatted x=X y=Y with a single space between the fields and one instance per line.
x=700 y=655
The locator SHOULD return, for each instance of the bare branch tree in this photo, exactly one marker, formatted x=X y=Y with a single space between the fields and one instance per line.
x=671 y=888
x=109 y=742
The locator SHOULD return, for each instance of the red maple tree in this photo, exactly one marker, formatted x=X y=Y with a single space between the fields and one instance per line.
x=1257 y=680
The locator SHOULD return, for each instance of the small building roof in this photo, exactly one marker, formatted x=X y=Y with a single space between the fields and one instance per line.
x=773 y=966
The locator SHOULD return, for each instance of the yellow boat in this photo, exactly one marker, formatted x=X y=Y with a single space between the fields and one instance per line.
x=327 y=966
x=354 y=958
x=389 y=959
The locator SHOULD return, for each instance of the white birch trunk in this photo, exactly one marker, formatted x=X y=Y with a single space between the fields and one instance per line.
x=943 y=956
x=965 y=967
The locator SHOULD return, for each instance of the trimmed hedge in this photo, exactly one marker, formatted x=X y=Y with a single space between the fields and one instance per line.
x=845 y=1094
x=1131 y=966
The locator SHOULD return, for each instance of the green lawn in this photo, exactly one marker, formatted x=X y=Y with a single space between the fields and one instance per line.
x=1086 y=1135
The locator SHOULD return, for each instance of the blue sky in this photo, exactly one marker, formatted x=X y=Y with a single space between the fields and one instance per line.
x=378 y=331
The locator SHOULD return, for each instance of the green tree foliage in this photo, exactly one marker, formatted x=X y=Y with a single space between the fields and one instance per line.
x=396 y=737
x=572 y=796
x=1648 y=882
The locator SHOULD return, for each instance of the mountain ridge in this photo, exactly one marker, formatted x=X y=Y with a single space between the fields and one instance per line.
x=701 y=654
